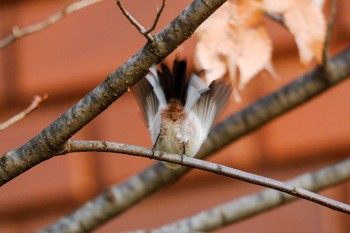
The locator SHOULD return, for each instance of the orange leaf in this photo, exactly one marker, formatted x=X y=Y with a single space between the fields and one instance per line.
x=233 y=38
x=305 y=20
x=216 y=45
x=254 y=53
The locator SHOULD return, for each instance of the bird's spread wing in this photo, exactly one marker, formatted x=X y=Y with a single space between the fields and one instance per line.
x=151 y=99
x=211 y=103
x=159 y=87
x=196 y=88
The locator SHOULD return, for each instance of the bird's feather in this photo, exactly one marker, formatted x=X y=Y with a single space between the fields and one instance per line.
x=150 y=98
x=179 y=112
x=211 y=103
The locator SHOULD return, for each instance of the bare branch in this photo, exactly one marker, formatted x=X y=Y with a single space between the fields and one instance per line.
x=103 y=146
x=133 y=21
x=19 y=33
x=159 y=12
x=330 y=25
x=34 y=105
x=251 y=205
x=140 y=28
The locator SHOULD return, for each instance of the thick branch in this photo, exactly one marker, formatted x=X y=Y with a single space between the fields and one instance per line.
x=152 y=179
x=49 y=142
x=21 y=32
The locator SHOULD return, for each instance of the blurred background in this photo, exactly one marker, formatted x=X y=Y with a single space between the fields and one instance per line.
x=69 y=58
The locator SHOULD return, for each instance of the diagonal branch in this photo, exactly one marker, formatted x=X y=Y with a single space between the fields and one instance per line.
x=234 y=127
x=34 y=105
x=21 y=32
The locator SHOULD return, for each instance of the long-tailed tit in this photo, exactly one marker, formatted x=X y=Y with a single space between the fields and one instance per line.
x=179 y=111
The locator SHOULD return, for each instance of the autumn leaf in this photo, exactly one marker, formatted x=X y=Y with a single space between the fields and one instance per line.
x=254 y=54
x=232 y=40
x=216 y=47
x=305 y=20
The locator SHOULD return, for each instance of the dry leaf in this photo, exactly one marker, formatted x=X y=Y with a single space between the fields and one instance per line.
x=254 y=54
x=305 y=20
x=215 y=49
x=233 y=38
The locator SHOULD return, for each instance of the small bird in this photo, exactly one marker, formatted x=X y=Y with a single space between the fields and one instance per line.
x=179 y=111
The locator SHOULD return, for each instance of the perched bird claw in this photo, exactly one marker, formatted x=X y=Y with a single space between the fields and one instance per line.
x=153 y=152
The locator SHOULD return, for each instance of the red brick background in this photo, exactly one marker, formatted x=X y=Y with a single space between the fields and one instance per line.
x=69 y=58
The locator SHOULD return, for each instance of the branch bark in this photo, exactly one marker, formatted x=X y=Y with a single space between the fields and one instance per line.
x=50 y=141
x=119 y=198
x=103 y=146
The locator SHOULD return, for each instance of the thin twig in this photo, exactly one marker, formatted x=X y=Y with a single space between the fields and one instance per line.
x=276 y=17
x=251 y=205
x=133 y=21
x=34 y=105
x=159 y=12
x=103 y=146
x=140 y=28
x=18 y=32
x=330 y=25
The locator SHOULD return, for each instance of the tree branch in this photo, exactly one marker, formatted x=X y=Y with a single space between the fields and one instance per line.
x=19 y=33
x=145 y=183
x=329 y=32
x=159 y=12
x=251 y=205
x=34 y=105
x=96 y=212
x=50 y=141
x=104 y=146
x=140 y=28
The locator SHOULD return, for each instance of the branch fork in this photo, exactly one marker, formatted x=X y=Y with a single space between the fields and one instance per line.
x=145 y=32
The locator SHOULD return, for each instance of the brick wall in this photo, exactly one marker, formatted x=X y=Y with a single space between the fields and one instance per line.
x=68 y=59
